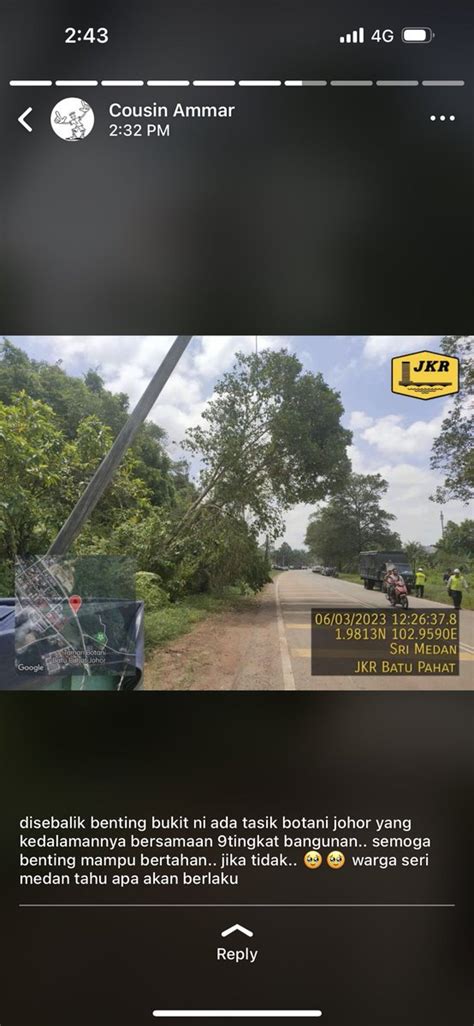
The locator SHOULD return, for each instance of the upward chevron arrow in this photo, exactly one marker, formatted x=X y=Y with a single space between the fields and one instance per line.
x=236 y=929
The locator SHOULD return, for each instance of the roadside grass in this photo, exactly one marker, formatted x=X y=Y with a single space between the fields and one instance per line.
x=435 y=588
x=171 y=621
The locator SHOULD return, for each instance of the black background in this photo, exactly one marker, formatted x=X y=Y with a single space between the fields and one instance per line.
x=314 y=211
x=217 y=754
x=319 y=209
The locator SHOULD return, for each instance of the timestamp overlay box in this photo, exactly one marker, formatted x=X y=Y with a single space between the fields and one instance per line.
x=366 y=642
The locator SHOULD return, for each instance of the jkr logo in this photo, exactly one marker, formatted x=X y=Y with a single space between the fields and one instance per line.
x=425 y=375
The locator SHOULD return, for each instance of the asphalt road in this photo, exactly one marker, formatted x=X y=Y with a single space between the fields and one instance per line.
x=297 y=591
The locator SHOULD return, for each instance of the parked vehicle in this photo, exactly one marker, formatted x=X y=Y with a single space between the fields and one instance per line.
x=330 y=571
x=318 y=569
x=374 y=566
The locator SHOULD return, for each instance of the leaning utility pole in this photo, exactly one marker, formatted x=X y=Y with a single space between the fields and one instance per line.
x=105 y=472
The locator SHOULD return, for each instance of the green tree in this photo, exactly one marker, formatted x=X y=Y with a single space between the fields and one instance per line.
x=283 y=555
x=154 y=466
x=286 y=556
x=416 y=553
x=458 y=539
x=15 y=371
x=352 y=522
x=74 y=399
x=31 y=467
x=126 y=498
x=453 y=450
x=221 y=550
x=272 y=437
x=43 y=473
x=217 y=550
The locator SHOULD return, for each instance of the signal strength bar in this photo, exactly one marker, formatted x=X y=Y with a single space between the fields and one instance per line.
x=356 y=36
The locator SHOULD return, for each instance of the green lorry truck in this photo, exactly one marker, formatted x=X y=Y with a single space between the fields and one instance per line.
x=374 y=565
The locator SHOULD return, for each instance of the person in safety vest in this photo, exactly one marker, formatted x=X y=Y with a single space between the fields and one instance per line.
x=420 y=581
x=456 y=585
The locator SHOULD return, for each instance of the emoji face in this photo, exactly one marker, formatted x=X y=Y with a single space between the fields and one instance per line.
x=335 y=860
x=312 y=860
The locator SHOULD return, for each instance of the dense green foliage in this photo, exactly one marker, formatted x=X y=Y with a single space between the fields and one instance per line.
x=455 y=548
x=285 y=555
x=54 y=431
x=271 y=437
x=458 y=538
x=353 y=521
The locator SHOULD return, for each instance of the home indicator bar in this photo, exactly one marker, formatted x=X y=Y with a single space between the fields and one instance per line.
x=238 y=1014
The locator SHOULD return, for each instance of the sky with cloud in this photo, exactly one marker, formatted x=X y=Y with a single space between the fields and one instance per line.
x=392 y=434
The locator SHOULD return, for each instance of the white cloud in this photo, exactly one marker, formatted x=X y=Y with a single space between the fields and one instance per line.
x=358 y=460
x=213 y=354
x=377 y=348
x=359 y=420
x=391 y=435
x=418 y=519
x=127 y=362
x=407 y=497
x=296 y=520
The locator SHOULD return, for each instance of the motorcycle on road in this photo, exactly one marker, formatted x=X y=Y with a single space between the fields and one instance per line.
x=397 y=594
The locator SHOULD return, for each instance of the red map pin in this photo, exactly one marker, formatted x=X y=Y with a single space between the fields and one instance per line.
x=75 y=603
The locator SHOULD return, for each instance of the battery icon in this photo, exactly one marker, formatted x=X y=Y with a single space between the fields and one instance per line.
x=417 y=35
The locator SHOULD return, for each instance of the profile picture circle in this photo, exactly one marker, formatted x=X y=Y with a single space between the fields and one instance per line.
x=72 y=119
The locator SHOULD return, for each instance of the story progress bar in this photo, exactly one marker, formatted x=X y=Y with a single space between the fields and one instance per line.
x=156 y=83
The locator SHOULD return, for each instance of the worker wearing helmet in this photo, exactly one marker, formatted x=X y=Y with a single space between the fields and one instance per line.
x=456 y=585
x=420 y=581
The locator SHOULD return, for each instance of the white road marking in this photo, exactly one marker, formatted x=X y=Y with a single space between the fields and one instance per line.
x=288 y=678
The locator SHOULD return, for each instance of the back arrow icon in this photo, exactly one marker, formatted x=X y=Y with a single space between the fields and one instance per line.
x=22 y=118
